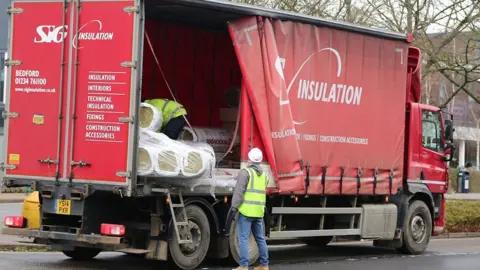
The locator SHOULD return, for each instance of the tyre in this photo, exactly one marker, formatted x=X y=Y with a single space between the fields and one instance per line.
x=417 y=229
x=82 y=253
x=320 y=241
x=190 y=256
x=253 y=253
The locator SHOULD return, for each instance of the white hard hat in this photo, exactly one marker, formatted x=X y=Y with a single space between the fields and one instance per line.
x=255 y=155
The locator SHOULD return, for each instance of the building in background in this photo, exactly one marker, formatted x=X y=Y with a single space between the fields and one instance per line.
x=465 y=48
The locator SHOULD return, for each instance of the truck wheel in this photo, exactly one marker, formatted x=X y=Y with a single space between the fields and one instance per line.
x=320 y=241
x=234 y=245
x=82 y=253
x=189 y=256
x=417 y=229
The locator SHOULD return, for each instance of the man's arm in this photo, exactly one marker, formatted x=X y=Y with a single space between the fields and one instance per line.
x=240 y=187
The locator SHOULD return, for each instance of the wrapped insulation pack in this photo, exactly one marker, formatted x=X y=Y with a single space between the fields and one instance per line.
x=175 y=159
x=150 y=117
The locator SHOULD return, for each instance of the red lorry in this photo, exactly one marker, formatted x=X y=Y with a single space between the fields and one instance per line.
x=335 y=108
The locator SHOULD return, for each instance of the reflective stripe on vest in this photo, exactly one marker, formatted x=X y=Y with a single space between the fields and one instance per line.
x=253 y=204
x=172 y=114
x=167 y=109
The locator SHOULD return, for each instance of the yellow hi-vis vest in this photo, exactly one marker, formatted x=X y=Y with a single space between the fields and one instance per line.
x=255 y=195
x=169 y=109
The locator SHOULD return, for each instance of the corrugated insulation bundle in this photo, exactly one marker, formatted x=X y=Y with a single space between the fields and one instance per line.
x=146 y=159
x=150 y=117
x=173 y=158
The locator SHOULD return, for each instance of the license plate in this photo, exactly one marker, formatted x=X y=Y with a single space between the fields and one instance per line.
x=63 y=207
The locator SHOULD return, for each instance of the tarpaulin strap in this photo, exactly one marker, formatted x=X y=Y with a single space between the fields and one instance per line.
x=165 y=78
x=359 y=180
x=324 y=175
x=390 y=184
x=342 y=172
x=234 y=134
x=375 y=174
x=307 y=177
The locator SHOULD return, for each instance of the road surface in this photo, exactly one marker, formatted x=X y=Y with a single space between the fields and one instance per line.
x=443 y=254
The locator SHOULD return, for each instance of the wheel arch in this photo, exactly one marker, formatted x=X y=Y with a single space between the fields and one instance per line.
x=207 y=209
x=414 y=192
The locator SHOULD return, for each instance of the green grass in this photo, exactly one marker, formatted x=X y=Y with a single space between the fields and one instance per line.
x=15 y=248
x=462 y=216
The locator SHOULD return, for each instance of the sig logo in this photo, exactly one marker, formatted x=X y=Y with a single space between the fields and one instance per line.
x=91 y=30
x=51 y=33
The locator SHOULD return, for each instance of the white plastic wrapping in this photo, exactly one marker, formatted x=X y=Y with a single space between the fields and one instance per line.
x=181 y=163
x=216 y=179
x=146 y=160
x=218 y=138
x=175 y=159
x=150 y=117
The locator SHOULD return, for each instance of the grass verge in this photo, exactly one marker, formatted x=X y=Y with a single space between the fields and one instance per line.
x=462 y=216
x=20 y=248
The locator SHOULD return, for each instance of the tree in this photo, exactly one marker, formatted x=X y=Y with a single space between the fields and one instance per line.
x=440 y=54
x=418 y=17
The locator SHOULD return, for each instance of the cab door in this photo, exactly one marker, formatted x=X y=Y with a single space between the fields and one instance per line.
x=434 y=169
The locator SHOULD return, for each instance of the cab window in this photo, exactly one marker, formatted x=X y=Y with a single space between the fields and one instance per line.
x=432 y=131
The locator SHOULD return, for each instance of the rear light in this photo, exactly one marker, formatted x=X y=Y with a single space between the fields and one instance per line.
x=13 y=221
x=112 y=229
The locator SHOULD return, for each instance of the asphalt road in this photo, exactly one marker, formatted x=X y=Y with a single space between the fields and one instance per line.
x=443 y=254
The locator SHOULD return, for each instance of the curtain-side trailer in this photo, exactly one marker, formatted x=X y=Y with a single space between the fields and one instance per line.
x=349 y=150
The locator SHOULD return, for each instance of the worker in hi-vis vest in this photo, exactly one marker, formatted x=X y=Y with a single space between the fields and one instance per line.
x=173 y=116
x=249 y=200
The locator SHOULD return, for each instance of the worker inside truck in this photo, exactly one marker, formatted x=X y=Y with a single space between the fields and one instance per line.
x=173 y=115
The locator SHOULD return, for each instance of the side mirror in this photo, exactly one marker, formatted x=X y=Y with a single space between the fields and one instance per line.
x=449 y=130
x=449 y=150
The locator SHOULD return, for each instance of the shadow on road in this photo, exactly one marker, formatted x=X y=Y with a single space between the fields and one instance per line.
x=278 y=255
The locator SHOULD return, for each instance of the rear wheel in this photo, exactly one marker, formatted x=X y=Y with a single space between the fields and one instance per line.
x=253 y=253
x=190 y=256
x=82 y=253
x=417 y=229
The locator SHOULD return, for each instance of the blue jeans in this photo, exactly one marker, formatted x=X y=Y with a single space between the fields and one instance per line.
x=255 y=225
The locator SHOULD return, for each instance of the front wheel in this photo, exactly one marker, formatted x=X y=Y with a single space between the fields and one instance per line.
x=191 y=255
x=82 y=253
x=417 y=229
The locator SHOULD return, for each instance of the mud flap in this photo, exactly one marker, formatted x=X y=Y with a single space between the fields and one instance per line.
x=158 y=247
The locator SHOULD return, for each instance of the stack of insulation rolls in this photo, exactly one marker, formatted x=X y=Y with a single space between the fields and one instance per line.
x=160 y=156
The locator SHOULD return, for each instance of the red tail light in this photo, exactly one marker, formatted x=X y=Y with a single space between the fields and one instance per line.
x=112 y=229
x=13 y=221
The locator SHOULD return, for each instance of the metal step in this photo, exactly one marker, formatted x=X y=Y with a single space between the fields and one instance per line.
x=316 y=210
x=181 y=206
x=133 y=250
x=312 y=233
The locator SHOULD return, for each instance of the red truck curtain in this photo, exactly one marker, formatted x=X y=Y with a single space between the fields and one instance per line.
x=262 y=69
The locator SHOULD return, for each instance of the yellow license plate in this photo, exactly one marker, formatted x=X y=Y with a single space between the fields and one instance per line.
x=63 y=207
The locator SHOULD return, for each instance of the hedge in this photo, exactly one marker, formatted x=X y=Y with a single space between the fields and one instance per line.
x=462 y=216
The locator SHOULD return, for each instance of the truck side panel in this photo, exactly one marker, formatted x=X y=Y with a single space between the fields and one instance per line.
x=341 y=97
x=101 y=114
x=35 y=87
